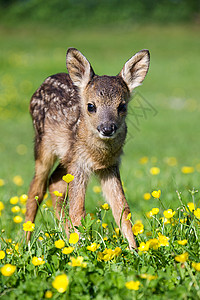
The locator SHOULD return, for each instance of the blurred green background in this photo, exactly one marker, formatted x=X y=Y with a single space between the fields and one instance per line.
x=34 y=37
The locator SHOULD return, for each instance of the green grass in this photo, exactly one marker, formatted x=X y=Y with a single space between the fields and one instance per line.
x=27 y=57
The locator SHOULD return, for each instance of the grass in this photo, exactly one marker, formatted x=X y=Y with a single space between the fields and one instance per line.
x=169 y=129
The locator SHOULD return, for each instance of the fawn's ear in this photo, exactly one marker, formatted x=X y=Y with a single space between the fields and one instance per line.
x=135 y=69
x=79 y=68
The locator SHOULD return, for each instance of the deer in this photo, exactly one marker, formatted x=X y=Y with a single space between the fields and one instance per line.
x=80 y=121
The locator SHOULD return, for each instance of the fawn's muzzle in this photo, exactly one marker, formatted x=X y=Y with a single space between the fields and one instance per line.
x=107 y=129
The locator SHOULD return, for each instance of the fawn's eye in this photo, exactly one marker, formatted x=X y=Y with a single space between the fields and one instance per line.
x=91 y=108
x=122 y=107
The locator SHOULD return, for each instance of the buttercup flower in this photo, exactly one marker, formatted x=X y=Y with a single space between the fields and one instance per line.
x=93 y=247
x=143 y=247
x=169 y=213
x=73 y=238
x=196 y=266
x=15 y=209
x=59 y=244
x=182 y=242
x=18 y=180
x=28 y=226
x=14 y=200
x=191 y=206
x=143 y=160
x=162 y=240
x=61 y=283
x=182 y=257
x=67 y=250
x=37 y=261
x=154 y=211
x=138 y=228
x=148 y=276
x=147 y=196
x=2 y=254
x=77 y=262
x=133 y=285
x=105 y=206
x=117 y=231
x=156 y=194
x=187 y=170
x=23 y=198
x=7 y=270
x=154 y=171
x=48 y=294
x=57 y=194
x=68 y=178
x=2 y=182
x=17 y=219
x=1 y=206
x=96 y=189
x=104 y=225
x=128 y=217
x=197 y=213
x=153 y=244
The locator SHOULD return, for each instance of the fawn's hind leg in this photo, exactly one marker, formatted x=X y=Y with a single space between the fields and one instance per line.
x=56 y=183
x=43 y=165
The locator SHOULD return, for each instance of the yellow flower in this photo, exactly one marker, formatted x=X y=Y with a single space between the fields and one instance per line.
x=61 y=283
x=8 y=270
x=154 y=171
x=73 y=238
x=23 y=210
x=154 y=211
x=49 y=203
x=147 y=196
x=162 y=240
x=156 y=194
x=197 y=213
x=169 y=213
x=23 y=198
x=104 y=225
x=14 y=200
x=138 y=228
x=128 y=217
x=2 y=182
x=196 y=266
x=2 y=254
x=182 y=257
x=191 y=206
x=15 y=209
x=18 y=180
x=132 y=285
x=57 y=194
x=187 y=170
x=105 y=238
x=143 y=160
x=17 y=219
x=1 y=206
x=37 y=261
x=48 y=294
x=153 y=244
x=143 y=247
x=148 y=276
x=28 y=226
x=40 y=238
x=171 y=161
x=96 y=189
x=182 y=242
x=77 y=262
x=67 y=250
x=117 y=231
x=105 y=206
x=117 y=251
x=68 y=178
x=93 y=247
x=59 y=244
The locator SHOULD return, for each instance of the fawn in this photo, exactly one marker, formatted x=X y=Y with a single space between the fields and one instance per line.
x=79 y=118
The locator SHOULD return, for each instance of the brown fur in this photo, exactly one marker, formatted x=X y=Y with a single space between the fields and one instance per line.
x=86 y=140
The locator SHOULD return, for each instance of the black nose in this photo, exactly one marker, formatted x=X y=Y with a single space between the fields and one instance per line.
x=107 y=129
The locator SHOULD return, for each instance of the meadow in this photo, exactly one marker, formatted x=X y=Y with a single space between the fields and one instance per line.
x=161 y=154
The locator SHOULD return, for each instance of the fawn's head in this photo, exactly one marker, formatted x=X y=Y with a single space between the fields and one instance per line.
x=105 y=98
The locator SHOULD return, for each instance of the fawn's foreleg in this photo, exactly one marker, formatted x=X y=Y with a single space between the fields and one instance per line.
x=37 y=188
x=114 y=194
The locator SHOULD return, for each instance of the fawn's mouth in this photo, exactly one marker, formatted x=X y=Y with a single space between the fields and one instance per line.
x=107 y=130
